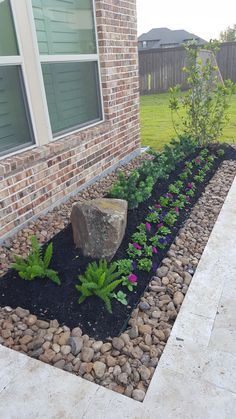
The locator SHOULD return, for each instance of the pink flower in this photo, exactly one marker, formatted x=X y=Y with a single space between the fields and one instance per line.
x=188 y=199
x=177 y=210
x=136 y=245
x=148 y=226
x=197 y=161
x=160 y=225
x=132 y=278
x=189 y=185
x=157 y=206
x=154 y=250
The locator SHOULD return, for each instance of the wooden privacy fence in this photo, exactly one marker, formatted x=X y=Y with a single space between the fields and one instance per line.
x=160 y=69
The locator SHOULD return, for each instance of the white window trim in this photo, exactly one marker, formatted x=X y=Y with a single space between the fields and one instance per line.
x=17 y=60
x=30 y=61
x=64 y=58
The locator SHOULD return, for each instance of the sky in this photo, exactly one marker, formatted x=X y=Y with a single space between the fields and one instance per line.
x=204 y=18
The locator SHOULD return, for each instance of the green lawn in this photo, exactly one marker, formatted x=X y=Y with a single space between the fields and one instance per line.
x=156 y=124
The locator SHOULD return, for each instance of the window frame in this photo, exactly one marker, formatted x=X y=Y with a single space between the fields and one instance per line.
x=59 y=58
x=30 y=62
x=17 y=60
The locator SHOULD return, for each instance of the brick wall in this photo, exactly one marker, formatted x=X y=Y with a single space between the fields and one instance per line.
x=32 y=181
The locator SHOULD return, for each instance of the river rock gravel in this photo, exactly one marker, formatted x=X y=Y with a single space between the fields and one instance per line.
x=126 y=363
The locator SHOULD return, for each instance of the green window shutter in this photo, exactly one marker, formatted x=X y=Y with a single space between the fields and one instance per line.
x=15 y=129
x=72 y=92
x=64 y=27
x=8 y=44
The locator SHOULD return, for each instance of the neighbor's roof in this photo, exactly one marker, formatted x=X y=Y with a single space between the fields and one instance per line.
x=168 y=36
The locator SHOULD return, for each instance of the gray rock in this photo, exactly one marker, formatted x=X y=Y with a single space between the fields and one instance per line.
x=144 y=372
x=21 y=312
x=118 y=343
x=116 y=370
x=144 y=306
x=97 y=345
x=123 y=378
x=126 y=368
x=99 y=226
x=42 y=324
x=138 y=395
x=87 y=354
x=162 y=271
x=60 y=364
x=76 y=344
x=65 y=349
x=76 y=332
x=68 y=367
x=37 y=353
x=187 y=278
x=106 y=347
x=36 y=344
x=178 y=298
x=99 y=369
x=133 y=332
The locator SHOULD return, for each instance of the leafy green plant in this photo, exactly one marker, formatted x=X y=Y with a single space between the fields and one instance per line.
x=189 y=166
x=158 y=241
x=147 y=251
x=139 y=237
x=184 y=175
x=199 y=178
x=203 y=153
x=163 y=231
x=153 y=217
x=124 y=266
x=220 y=152
x=133 y=251
x=133 y=189
x=190 y=193
x=126 y=283
x=173 y=189
x=145 y=264
x=180 y=202
x=170 y=218
x=35 y=265
x=99 y=279
x=164 y=201
x=121 y=297
x=211 y=159
x=206 y=100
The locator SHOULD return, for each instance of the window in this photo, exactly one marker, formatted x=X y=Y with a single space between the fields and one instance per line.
x=50 y=86
x=68 y=55
x=15 y=126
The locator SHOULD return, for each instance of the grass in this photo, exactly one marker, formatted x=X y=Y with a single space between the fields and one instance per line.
x=156 y=124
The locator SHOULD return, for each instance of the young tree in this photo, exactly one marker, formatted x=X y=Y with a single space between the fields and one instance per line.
x=228 y=35
x=205 y=103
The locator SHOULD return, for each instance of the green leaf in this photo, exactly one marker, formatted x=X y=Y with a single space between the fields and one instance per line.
x=48 y=255
x=51 y=274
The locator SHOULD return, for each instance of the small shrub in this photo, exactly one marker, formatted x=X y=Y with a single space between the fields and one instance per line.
x=99 y=279
x=36 y=265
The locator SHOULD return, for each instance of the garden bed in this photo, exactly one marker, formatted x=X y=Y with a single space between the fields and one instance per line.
x=126 y=363
x=49 y=301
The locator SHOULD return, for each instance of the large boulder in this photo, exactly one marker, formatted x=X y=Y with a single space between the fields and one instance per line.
x=99 y=226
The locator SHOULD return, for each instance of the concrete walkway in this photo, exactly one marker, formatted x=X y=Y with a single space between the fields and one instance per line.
x=195 y=378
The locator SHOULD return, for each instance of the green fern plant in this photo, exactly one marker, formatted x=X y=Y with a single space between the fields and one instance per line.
x=35 y=264
x=99 y=279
